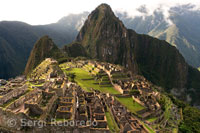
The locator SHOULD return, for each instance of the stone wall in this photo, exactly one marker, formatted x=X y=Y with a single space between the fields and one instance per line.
x=7 y=118
x=35 y=109
x=49 y=106
x=23 y=99
x=13 y=94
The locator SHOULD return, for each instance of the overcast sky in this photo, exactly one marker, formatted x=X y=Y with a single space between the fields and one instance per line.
x=48 y=11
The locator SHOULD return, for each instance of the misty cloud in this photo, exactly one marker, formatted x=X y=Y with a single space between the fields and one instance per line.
x=50 y=11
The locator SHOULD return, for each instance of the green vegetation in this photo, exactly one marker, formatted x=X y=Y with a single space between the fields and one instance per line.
x=166 y=104
x=134 y=92
x=91 y=69
x=62 y=60
x=148 y=128
x=175 y=130
x=60 y=119
x=37 y=85
x=191 y=120
x=86 y=81
x=111 y=122
x=132 y=105
x=119 y=76
x=152 y=119
x=43 y=48
x=72 y=76
x=190 y=116
x=75 y=49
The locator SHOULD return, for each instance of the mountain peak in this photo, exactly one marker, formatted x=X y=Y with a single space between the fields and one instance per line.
x=43 y=48
x=100 y=31
x=101 y=12
x=104 y=7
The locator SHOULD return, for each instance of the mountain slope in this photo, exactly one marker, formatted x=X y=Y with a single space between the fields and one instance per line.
x=44 y=48
x=105 y=37
x=160 y=62
x=180 y=28
x=74 y=49
x=17 y=40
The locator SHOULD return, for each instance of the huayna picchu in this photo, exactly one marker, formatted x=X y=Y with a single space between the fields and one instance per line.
x=108 y=80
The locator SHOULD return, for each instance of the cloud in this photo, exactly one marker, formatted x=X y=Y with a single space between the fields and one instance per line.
x=143 y=9
x=150 y=8
x=48 y=11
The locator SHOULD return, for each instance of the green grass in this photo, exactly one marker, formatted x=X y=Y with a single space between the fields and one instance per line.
x=61 y=119
x=37 y=85
x=175 y=130
x=89 y=68
x=89 y=81
x=152 y=119
x=111 y=123
x=119 y=76
x=130 y=104
x=149 y=129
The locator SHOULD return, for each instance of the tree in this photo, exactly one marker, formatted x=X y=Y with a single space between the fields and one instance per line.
x=134 y=92
x=72 y=76
x=99 y=77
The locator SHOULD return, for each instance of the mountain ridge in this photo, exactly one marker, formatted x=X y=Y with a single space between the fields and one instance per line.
x=18 y=38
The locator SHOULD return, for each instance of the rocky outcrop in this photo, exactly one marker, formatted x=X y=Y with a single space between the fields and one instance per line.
x=43 y=48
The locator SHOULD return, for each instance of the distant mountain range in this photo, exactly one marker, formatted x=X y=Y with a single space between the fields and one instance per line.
x=17 y=38
x=180 y=28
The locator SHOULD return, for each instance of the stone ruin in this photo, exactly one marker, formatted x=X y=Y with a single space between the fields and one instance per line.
x=124 y=118
x=13 y=94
